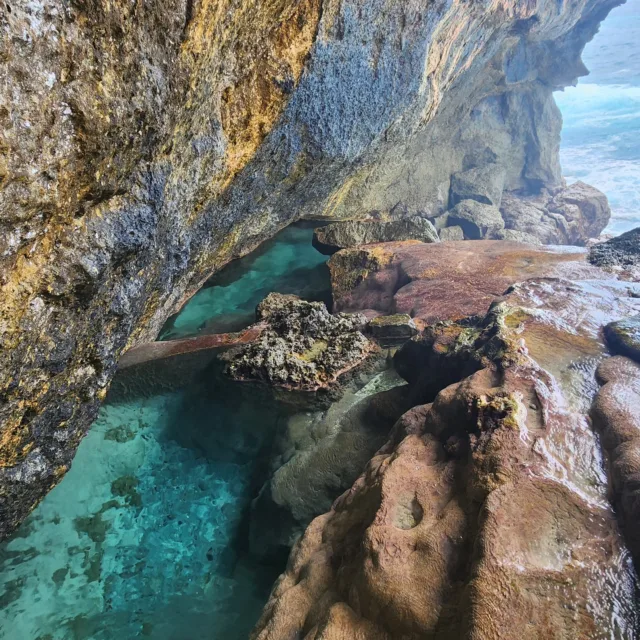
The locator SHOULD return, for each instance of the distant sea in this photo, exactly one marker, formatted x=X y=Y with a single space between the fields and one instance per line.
x=601 y=132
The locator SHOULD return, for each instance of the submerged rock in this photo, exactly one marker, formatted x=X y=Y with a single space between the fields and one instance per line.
x=351 y=233
x=318 y=455
x=302 y=347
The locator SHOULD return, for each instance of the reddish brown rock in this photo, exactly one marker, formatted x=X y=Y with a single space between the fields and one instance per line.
x=616 y=414
x=164 y=349
x=486 y=513
x=471 y=531
x=433 y=282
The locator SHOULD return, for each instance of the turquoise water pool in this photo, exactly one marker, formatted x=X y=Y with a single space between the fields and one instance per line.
x=146 y=535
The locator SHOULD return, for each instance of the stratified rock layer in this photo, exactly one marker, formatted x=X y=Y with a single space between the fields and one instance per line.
x=351 y=233
x=145 y=146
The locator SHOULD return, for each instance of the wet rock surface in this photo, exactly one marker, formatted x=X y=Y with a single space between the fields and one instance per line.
x=351 y=233
x=303 y=346
x=616 y=415
x=443 y=281
x=623 y=337
x=486 y=511
x=622 y=252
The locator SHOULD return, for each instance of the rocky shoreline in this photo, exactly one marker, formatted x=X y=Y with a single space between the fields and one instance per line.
x=451 y=449
x=186 y=136
x=488 y=509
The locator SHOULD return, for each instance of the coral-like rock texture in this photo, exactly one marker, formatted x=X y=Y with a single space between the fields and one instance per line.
x=144 y=145
x=303 y=347
x=486 y=514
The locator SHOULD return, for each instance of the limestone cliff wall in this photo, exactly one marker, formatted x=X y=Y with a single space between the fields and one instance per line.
x=144 y=145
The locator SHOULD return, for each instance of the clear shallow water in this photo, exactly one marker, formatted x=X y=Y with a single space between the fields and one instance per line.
x=287 y=264
x=601 y=131
x=146 y=534
x=143 y=537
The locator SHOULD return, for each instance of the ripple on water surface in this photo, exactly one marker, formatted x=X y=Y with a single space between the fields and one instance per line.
x=144 y=537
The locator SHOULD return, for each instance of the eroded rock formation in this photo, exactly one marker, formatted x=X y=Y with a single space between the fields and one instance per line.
x=486 y=511
x=144 y=146
x=302 y=347
x=446 y=281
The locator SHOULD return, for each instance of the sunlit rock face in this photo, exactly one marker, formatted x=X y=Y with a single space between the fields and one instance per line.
x=143 y=147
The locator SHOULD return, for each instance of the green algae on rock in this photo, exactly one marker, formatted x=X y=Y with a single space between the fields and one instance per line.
x=623 y=337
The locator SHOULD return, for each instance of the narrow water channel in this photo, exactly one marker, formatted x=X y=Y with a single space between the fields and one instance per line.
x=146 y=535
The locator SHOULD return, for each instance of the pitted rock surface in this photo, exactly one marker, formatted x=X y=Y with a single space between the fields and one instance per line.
x=486 y=511
x=303 y=346
x=621 y=252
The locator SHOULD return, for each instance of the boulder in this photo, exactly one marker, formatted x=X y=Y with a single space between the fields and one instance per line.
x=584 y=204
x=476 y=219
x=302 y=347
x=623 y=337
x=565 y=215
x=451 y=234
x=484 y=184
x=517 y=236
x=352 y=233
x=622 y=251
x=392 y=329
